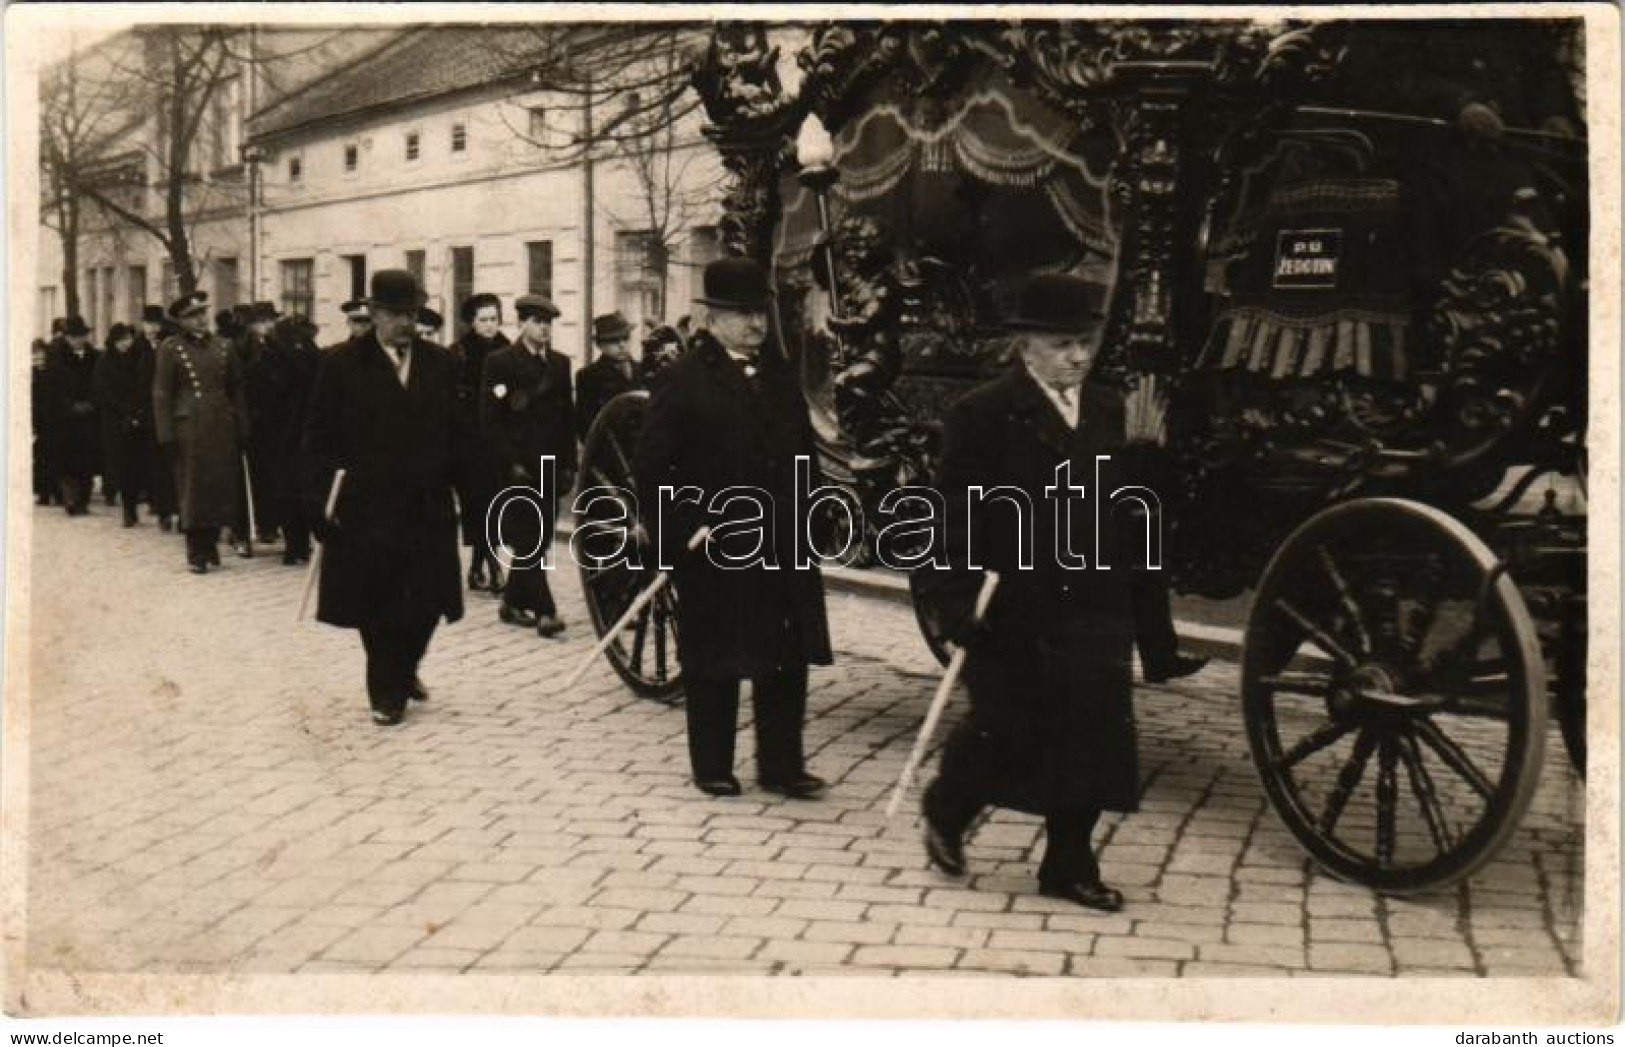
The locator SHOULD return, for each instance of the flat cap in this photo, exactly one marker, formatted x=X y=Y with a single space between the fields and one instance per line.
x=528 y=305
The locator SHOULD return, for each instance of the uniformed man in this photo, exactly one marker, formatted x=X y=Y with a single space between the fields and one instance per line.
x=1051 y=728
x=70 y=377
x=483 y=314
x=357 y=320
x=527 y=413
x=729 y=415
x=384 y=409
x=613 y=373
x=201 y=415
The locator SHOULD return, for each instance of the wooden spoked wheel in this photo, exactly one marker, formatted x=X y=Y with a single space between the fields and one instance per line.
x=1394 y=695
x=645 y=653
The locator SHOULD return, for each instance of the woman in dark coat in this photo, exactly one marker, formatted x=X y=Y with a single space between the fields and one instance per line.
x=1051 y=729
x=124 y=397
x=483 y=315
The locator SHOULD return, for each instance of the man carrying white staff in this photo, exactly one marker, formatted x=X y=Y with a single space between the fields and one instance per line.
x=729 y=416
x=384 y=409
x=1051 y=727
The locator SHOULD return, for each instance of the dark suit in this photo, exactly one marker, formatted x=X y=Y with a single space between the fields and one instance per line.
x=527 y=412
x=70 y=377
x=710 y=426
x=598 y=383
x=1051 y=728
x=391 y=569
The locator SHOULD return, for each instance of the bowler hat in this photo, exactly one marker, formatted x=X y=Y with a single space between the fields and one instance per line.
x=662 y=336
x=611 y=327
x=529 y=305
x=118 y=331
x=735 y=283
x=475 y=302
x=188 y=304
x=75 y=325
x=431 y=319
x=263 y=311
x=1057 y=302
x=153 y=314
x=356 y=309
x=396 y=290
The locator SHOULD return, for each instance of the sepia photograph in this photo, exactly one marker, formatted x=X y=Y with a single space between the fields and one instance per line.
x=1030 y=512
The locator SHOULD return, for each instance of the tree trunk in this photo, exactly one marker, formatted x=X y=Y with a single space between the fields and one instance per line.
x=68 y=215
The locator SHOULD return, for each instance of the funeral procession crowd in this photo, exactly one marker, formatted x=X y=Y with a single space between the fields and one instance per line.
x=388 y=449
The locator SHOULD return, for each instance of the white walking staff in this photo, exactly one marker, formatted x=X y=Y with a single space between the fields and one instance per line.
x=660 y=582
x=248 y=496
x=316 y=558
x=939 y=701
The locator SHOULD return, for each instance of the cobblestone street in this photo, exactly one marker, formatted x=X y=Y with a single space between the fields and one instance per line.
x=209 y=795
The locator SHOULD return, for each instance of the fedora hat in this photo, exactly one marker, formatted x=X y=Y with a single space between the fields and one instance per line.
x=396 y=290
x=612 y=327
x=1058 y=303
x=263 y=311
x=431 y=319
x=153 y=314
x=75 y=325
x=735 y=283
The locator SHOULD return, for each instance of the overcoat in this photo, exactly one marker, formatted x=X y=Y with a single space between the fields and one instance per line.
x=470 y=352
x=1051 y=726
x=278 y=374
x=75 y=426
x=124 y=397
x=394 y=558
x=198 y=406
x=527 y=411
x=711 y=427
x=600 y=382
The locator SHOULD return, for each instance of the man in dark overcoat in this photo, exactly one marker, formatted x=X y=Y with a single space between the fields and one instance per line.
x=384 y=409
x=1051 y=728
x=265 y=407
x=526 y=413
x=279 y=379
x=730 y=414
x=483 y=314
x=357 y=322
x=152 y=329
x=613 y=373
x=44 y=479
x=201 y=416
x=124 y=399
x=75 y=427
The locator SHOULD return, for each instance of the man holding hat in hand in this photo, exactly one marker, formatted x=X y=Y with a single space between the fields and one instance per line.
x=1051 y=727
x=527 y=411
x=201 y=415
x=730 y=414
x=384 y=409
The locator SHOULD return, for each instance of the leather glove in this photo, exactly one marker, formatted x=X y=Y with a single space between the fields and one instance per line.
x=1480 y=121
x=326 y=529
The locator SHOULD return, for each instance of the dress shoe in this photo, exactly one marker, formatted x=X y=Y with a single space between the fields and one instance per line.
x=198 y=567
x=516 y=616
x=214 y=555
x=418 y=692
x=1180 y=665
x=943 y=850
x=129 y=521
x=1089 y=895
x=804 y=787
x=476 y=579
x=383 y=719
x=498 y=582
x=549 y=626
x=718 y=786
x=164 y=523
x=245 y=550
x=290 y=560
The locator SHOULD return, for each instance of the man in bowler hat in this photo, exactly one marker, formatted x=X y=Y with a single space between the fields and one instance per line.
x=730 y=414
x=1051 y=729
x=384 y=409
x=70 y=377
x=607 y=377
x=527 y=411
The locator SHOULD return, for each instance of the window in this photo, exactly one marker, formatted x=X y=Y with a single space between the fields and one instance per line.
x=640 y=275
x=225 y=125
x=225 y=283
x=415 y=266
x=109 y=302
x=137 y=289
x=298 y=282
x=356 y=264
x=166 y=284
x=538 y=123
x=462 y=279
x=352 y=157
x=459 y=137
x=296 y=168
x=412 y=141
x=539 y=267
